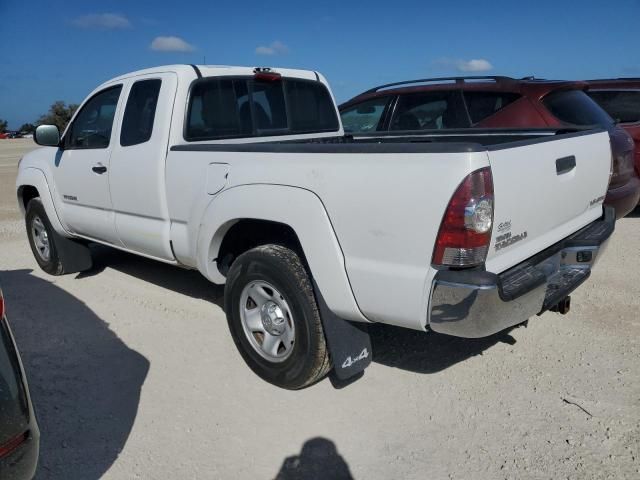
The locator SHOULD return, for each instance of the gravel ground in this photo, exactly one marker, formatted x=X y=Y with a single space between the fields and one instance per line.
x=134 y=375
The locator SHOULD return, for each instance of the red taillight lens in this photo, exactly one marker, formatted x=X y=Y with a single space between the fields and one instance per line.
x=465 y=232
x=8 y=447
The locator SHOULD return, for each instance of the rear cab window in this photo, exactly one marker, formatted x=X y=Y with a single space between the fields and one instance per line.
x=240 y=107
x=622 y=105
x=575 y=107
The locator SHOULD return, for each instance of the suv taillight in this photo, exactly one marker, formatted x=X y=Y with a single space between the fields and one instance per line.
x=465 y=232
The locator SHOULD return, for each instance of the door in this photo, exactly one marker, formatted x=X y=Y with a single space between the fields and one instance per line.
x=81 y=169
x=137 y=175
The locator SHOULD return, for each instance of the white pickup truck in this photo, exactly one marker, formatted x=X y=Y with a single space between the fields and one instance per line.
x=247 y=176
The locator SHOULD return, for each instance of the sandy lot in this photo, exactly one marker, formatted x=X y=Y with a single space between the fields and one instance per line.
x=134 y=375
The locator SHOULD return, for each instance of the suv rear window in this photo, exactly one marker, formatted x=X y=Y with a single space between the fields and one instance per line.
x=246 y=107
x=484 y=104
x=575 y=107
x=622 y=105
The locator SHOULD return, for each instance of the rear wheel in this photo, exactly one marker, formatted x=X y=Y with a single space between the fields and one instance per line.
x=274 y=319
x=42 y=238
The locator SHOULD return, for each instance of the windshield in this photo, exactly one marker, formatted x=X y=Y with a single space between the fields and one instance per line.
x=575 y=107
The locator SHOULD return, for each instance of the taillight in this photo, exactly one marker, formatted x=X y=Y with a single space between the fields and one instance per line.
x=1 y=305
x=465 y=232
x=9 y=447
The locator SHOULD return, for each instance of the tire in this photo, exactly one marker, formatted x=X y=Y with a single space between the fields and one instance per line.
x=37 y=221
x=275 y=275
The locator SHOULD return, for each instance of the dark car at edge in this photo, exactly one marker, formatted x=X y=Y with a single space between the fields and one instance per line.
x=19 y=433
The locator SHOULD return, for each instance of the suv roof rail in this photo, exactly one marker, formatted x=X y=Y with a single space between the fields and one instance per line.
x=440 y=79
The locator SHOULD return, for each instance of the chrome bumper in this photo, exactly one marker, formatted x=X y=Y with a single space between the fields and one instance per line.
x=476 y=304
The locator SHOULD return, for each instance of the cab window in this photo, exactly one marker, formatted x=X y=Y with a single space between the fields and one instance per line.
x=93 y=124
x=139 y=114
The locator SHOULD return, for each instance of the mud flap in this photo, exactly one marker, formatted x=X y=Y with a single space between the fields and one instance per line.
x=349 y=342
x=74 y=256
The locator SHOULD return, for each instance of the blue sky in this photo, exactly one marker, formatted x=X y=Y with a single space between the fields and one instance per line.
x=62 y=50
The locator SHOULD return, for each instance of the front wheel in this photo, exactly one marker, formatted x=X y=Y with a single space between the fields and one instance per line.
x=274 y=319
x=42 y=238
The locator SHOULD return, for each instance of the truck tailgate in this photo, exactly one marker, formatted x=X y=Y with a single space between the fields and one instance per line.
x=545 y=191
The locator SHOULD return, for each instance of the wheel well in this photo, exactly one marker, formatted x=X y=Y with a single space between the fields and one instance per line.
x=250 y=233
x=26 y=193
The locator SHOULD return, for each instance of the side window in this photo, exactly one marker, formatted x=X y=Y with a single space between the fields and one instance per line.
x=575 y=107
x=623 y=106
x=93 y=124
x=219 y=108
x=484 y=104
x=364 y=117
x=137 y=124
x=428 y=111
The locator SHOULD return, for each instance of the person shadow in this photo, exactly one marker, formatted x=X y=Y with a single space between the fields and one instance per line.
x=85 y=382
x=318 y=460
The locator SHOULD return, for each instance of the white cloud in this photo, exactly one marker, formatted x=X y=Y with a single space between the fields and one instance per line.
x=102 y=21
x=171 y=44
x=274 y=48
x=473 y=65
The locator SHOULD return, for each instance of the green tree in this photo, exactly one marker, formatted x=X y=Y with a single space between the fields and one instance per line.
x=3 y=126
x=27 y=128
x=59 y=114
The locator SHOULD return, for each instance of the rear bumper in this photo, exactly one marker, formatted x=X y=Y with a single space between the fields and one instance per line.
x=474 y=304
x=625 y=198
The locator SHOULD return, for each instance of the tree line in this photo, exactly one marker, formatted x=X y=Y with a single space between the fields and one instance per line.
x=59 y=114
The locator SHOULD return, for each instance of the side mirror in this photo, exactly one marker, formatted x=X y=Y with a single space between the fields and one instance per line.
x=47 y=136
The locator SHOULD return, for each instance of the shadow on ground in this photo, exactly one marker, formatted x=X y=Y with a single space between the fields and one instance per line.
x=431 y=352
x=634 y=213
x=85 y=382
x=392 y=346
x=318 y=460
x=183 y=281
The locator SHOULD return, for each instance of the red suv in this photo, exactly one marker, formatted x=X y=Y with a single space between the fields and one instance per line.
x=494 y=102
x=620 y=98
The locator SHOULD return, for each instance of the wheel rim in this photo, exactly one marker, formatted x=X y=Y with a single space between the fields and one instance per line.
x=267 y=321
x=40 y=238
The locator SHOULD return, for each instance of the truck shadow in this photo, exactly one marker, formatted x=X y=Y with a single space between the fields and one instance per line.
x=392 y=346
x=431 y=352
x=85 y=382
x=180 y=280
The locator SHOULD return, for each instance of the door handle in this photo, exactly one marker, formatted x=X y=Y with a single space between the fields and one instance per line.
x=565 y=164
x=99 y=169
